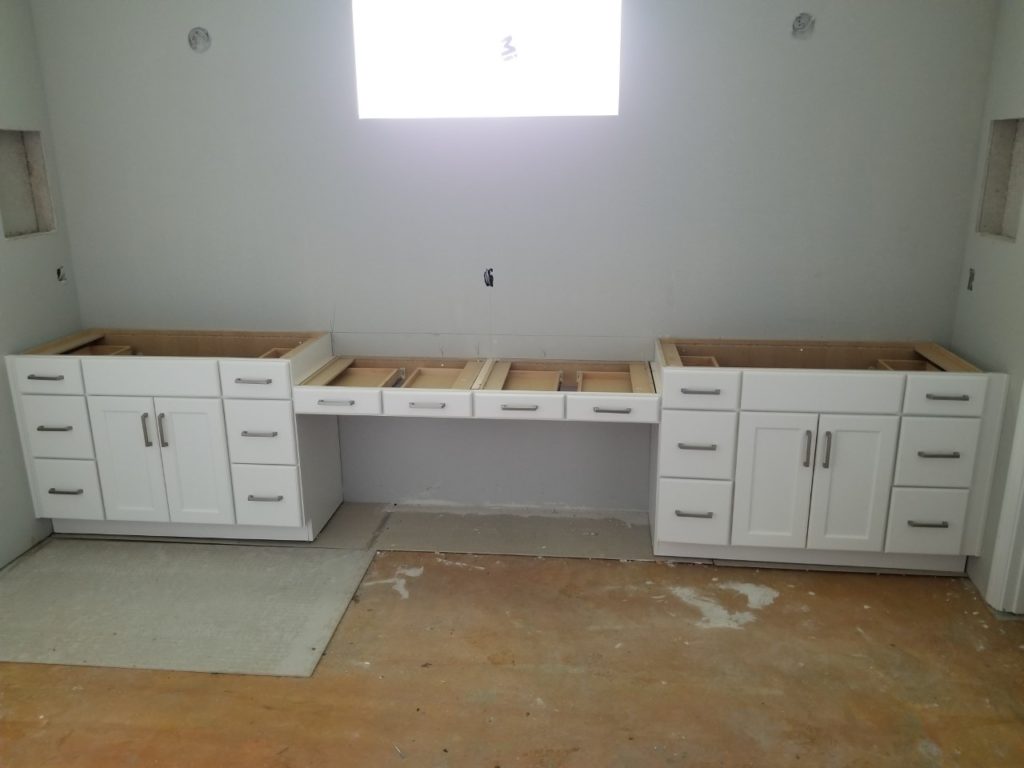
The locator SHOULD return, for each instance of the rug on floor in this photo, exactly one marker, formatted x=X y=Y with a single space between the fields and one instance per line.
x=176 y=606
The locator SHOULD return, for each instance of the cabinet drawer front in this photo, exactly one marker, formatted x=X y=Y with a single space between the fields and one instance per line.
x=926 y=521
x=152 y=377
x=700 y=389
x=342 y=401
x=434 y=403
x=945 y=394
x=506 y=405
x=48 y=375
x=644 y=409
x=267 y=495
x=58 y=427
x=694 y=511
x=260 y=431
x=260 y=380
x=822 y=391
x=698 y=444
x=68 y=489
x=937 y=452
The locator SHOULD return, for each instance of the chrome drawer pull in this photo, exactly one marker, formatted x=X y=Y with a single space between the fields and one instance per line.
x=433 y=406
x=697 y=515
x=939 y=455
x=919 y=524
x=247 y=433
x=507 y=407
x=808 y=438
x=828 y=451
x=266 y=498
x=336 y=402
x=160 y=430
x=56 y=492
x=696 y=447
x=688 y=391
x=38 y=377
x=958 y=398
x=54 y=429
x=599 y=409
x=145 y=431
x=254 y=381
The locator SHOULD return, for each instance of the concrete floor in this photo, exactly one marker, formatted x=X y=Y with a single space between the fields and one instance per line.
x=513 y=661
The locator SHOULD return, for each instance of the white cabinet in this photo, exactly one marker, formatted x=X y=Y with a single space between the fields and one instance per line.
x=162 y=459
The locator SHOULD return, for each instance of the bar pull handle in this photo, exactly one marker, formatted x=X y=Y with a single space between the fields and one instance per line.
x=507 y=407
x=920 y=524
x=698 y=446
x=58 y=492
x=254 y=381
x=336 y=402
x=828 y=451
x=939 y=454
x=957 y=398
x=160 y=431
x=691 y=391
x=599 y=409
x=697 y=515
x=247 y=433
x=429 y=406
x=54 y=429
x=270 y=499
x=40 y=377
x=808 y=439
x=145 y=431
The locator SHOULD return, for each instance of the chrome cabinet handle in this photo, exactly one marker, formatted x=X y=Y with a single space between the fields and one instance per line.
x=958 y=398
x=39 y=377
x=689 y=391
x=808 y=436
x=939 y=454
x=145 y=431
x=247 y=433
x=828 y=450
x=335 y=402
x=265 y=498
x=432 y=406
x=507 y=407
x=160 y=431
x=599 y=409
x=254 y=381
x=54 y=429
x=919 y=524
x=698 y=446
x=58 y=492
x=698 y=515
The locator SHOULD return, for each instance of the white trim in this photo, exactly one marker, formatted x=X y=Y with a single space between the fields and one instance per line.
x=179 y=530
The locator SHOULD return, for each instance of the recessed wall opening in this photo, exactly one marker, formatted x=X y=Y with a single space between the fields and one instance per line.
x=25 y=205
x=1004 y=180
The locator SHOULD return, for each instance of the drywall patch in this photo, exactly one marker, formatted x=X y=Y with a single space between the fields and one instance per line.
x=25 y=204
x=1004 y=180
x=714 y=615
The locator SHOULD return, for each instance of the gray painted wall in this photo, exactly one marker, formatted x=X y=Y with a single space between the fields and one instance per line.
x=33 y=305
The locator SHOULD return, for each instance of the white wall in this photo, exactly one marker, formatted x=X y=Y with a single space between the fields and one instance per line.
x=990 y=319
x=33 y=305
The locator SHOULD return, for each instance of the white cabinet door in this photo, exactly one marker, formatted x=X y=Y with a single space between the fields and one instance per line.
x=852 y=481
x=774 y=468
x=128 y=458
x=193 y=443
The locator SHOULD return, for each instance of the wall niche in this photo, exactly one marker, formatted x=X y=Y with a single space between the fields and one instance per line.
x=1004 y=180
x=25 y=204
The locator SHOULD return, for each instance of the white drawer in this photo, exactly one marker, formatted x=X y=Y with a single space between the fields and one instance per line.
x=57 y=427
x=937 y=452
x=48 y=375
x=700 y=444
x=926 y=521
x=705 y=389
x=342 y=401
x=151 y=376
x=260 y=379
x=694 y=511
x=518 y=405
x=945 y=394
x=822 y=391
x=260 y=431
x=67 y=489
x=436 y=403
x=266 y=495
x=644 y=409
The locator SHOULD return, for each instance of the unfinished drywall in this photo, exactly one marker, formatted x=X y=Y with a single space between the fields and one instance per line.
x=989 y=325
x=34 y=306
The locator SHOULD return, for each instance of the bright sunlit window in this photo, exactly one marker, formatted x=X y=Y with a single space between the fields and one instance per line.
x=487 y=58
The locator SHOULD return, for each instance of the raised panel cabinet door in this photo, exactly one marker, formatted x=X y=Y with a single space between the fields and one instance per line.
x=193 y=442
x=774 y=469
x=128 y=458
x=852 y=481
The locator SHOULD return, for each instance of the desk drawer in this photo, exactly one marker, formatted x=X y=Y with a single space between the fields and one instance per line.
x=694 y=511
x=67 y=489
x=266 y=495
x=339 y=401
x=700 y=389
x=260 y=431
x=39 y=375
x=945 y=394
x=698 y=444
x=433 y=403
x=937 y=452
x=57 y=427
x=926 y=521
x=256 y=379
x=518 y=405
x=644 y=409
